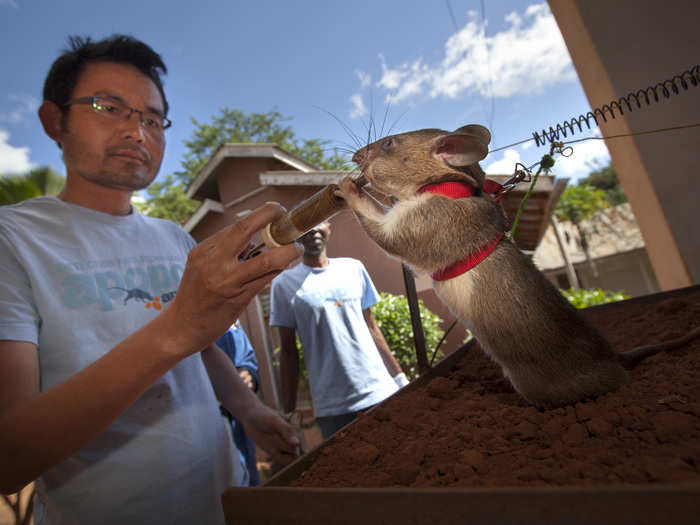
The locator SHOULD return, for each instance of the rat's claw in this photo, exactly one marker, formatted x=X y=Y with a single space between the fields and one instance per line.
x=348 y=188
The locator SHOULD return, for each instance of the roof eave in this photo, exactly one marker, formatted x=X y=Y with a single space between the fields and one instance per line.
x=204 y=209
x=245 y=151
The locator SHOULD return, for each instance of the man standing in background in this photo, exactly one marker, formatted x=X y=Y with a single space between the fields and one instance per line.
x=349 y=363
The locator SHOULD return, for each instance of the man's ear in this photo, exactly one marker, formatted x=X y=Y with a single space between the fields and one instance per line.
x=51 y=119
x=464 y=147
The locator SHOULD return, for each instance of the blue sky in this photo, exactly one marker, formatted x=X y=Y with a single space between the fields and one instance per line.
x=423 y=63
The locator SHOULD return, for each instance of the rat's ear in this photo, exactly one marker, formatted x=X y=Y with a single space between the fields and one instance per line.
x=480 y=132
x=464 y=147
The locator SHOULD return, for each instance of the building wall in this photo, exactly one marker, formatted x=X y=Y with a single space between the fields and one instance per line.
x=240 y=177
x=623 y=46
x=629 y=272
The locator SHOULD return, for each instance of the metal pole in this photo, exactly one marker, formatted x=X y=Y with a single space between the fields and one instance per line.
x=418 y=335
x=570 y=272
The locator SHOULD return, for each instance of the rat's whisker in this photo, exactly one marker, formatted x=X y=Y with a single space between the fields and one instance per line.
x=386 y=114
x=389 y=132
x=346 y=128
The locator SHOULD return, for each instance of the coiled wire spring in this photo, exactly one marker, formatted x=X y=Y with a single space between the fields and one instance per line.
x=651 y=94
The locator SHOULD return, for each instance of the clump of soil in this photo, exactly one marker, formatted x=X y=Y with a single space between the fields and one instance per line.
x=470 y=429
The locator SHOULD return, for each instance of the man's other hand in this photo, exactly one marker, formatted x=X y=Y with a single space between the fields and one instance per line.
x=273 y=434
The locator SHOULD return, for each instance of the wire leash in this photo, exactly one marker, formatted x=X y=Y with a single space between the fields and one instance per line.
x=522 y=173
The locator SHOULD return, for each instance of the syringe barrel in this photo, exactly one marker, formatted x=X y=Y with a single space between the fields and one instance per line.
x=304 y=216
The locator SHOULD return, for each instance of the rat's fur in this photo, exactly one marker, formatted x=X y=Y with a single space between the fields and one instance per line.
x=547 y=350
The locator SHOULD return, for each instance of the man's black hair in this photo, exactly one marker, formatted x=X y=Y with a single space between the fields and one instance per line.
x=121 y=49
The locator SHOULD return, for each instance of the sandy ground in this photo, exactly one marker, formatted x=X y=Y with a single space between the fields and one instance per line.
x=470 y=429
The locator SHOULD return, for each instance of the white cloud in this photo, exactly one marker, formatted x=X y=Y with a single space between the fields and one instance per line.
x=358 y=106
x=528 y=56
x=12 y=159
x=391 y=79
x=505 y=165
x=9 y=3
x=24 y=106
x=365 y=78
x=404 y=82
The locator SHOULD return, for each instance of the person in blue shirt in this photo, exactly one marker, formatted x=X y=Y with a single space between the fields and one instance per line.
x=327 y=302
x=237 y=347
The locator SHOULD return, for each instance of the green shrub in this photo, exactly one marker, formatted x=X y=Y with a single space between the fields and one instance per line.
x=586 y=298
x=394 y=320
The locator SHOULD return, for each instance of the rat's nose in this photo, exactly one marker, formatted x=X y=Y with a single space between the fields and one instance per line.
x=360 y=156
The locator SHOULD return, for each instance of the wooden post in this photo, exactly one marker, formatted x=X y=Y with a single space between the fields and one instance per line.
x=570 y=272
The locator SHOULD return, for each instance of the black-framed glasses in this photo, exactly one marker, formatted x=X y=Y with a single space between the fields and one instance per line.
x=116 y=110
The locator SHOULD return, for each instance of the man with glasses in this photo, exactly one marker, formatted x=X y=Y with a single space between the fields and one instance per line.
x=107 y=317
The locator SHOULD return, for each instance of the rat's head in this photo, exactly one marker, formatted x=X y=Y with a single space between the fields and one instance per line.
x=401 y=164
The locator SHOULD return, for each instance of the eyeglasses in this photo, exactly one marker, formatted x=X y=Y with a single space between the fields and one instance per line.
x=116 y=110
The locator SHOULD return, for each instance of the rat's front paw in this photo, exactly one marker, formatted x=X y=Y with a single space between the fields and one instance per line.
x=350 y=192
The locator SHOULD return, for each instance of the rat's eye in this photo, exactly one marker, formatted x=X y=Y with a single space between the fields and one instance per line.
x=387 y=143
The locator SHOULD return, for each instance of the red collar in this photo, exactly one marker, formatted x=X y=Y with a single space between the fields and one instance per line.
x=459 y=190
x=450 y=189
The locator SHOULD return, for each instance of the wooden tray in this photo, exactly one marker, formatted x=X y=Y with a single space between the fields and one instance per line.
x=276 y=502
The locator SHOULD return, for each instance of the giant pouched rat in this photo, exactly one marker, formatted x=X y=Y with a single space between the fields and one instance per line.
x=442 y=223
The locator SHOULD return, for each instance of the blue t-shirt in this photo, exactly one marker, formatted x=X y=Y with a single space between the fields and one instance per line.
x=324 y=306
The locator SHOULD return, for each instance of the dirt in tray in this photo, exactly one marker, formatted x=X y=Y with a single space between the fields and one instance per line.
x=470 y=429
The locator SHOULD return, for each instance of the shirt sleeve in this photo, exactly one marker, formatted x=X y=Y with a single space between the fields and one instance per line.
x=19 y=317
x=281 y=312
x=370 y=296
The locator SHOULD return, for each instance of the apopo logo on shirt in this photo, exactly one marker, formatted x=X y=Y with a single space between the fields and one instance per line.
x=147 y=281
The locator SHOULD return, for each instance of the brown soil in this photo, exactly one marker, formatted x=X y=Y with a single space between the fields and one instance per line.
x=470 y=429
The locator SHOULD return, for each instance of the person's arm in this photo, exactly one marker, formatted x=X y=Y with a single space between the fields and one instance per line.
x=289 y=368
x=265 y=427
x=40 y=429
x=390 y=362
x=246 y=362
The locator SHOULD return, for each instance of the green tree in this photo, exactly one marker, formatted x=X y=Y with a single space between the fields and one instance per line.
x=168 y=199
x=393 y=318
x=605 y=178
x=234 y=126
x=39 y=181
x=578 y=203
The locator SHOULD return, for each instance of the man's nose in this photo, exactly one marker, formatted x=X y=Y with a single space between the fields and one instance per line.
x=132 y=127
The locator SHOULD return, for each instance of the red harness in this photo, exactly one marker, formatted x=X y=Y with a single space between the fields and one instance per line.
x=460 y=190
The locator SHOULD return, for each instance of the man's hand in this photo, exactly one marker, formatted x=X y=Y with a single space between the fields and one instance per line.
x=216 y=286
x=272 y=433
